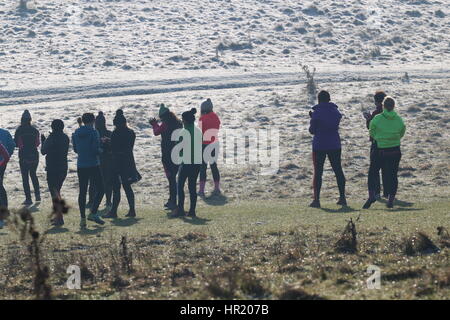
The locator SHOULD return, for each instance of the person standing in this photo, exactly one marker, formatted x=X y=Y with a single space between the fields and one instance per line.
x=27 y=139
x=373 y=181
x=7 y=146
x=387 y=129
x=324 y=125
x=124 y=165
x=210 y=125
x=86 y=143
x=55 y=149
x=191 y=156
x=169 y=123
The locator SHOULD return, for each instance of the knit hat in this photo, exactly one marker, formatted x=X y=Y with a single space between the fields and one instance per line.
x=189 y=116
x=162 y=109
x=26 y=116
x=206 y=106
x=100 y=121
x=119 y=119
x=57 y=125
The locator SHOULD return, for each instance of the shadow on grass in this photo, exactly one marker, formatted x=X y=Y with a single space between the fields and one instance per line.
x=216 y=200
x=400 y=203
x=128 y=222
x=91 y=232
x=343 y=209
x=56 y=230
x=196 y=221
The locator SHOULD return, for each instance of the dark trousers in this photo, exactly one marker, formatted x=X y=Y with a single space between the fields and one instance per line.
x=373 y=181
x=85 y=176
x=188 y=172
x=3 y=195
x=117 y=183
x=171 y=171
x=334 y=156
x=390 y=162
x=212 y=164
x=55 y=181
x=107 y=179
x=28 y=170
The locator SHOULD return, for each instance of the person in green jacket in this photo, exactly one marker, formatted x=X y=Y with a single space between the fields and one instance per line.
x=387 y=129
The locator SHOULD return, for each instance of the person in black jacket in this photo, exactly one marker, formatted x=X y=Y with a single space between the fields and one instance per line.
x=56 y=148
x=124 y=166
x=169 y=124
x=27 y=139
x=105 y=162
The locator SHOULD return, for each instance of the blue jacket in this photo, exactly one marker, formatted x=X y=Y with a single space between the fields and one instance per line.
x=86 y=143
x=324 y=126
x=7 y=141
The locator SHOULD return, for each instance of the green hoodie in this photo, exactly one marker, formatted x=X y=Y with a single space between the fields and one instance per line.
x=387 y=129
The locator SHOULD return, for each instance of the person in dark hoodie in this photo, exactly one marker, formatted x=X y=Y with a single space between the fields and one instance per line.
x=209 y=122
x=324 y=125
x=387 y=129
x=7 y=146
x=191 y=162
x=56 y=148
x=169 y=123
x=27 y=139
x=86 y=143
x=124 y=165
x=105 y=162
x=373 y=181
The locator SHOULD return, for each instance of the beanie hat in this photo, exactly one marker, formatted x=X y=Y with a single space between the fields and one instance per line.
x=57 y=125
x=206 y=106
x=100 y=121
x=162 y=109
x=189 y=116
x=26 y=116
x=119 y=119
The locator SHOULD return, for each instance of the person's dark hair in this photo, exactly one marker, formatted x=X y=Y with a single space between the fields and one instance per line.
x=88 y=118
x=100 y=122
x=389 y=103
x=57 y=125
x=324 y=96
x=170 y=118
x=379 y=97
x=206 y=106
x=26 y=118
x=189 y=116
x=119 y=120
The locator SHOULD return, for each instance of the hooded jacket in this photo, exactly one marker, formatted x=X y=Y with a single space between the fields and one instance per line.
x=387 y=129
x=324 y=126
x=86 y=143
x=166 y=129
x=122 y=144
x=7 y=141
x=27 y=139
x=56 y=148
x=210 y=122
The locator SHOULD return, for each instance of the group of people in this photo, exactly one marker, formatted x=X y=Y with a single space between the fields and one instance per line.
x=386 y=129
x=105 y=161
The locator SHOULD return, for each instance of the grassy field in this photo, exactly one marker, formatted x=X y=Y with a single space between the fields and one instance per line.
x=244 y=250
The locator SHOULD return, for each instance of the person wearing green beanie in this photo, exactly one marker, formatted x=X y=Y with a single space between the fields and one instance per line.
x=387 y=129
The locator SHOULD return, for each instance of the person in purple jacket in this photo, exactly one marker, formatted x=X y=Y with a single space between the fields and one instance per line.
x=324 y=125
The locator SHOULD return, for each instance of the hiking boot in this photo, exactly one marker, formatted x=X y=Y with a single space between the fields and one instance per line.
x=177 y=213
x=131 y=214
x=368 y=203
x=106 y=210
x=170 y=205
x=315 y=204
x=58 y=222
x=390 y=203
x=110 y=215
x=83 y=223
x=27 y=202
x=216 y=192
x=342 y=202
x=95 y=218
x=191 y=214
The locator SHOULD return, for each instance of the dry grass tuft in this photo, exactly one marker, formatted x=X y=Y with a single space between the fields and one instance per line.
x=419 y=243
x=348 y=242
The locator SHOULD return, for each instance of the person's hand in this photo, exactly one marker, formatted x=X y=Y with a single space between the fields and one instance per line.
x=153 y=121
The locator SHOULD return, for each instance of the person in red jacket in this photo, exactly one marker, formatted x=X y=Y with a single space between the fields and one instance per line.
x=210 y=125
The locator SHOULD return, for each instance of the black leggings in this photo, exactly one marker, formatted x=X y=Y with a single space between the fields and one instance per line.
x=319 y=161
x=117 y=182
x=171 y=171
x=3 y=195
x=55 y=181
x=188 y=172
x=85 y=176
x=390 y=162
x=28 y=170
x=213 y=164
x=107 y=183
x=373 y=180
